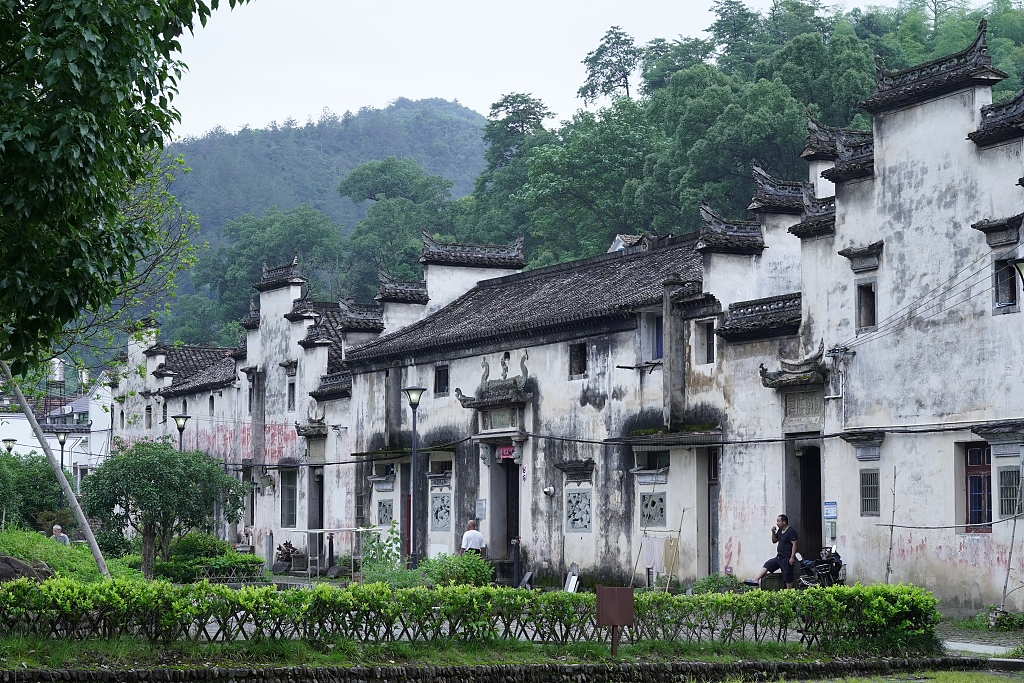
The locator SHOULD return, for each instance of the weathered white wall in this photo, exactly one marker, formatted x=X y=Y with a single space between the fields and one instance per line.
x=446 y=283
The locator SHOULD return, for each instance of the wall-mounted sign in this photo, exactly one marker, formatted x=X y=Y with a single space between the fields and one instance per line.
x=506 y=451
x=831 y=510
x=481 y=508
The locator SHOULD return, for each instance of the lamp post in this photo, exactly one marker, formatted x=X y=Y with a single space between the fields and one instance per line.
x=62 y=438
x=180 y=421
x=413 y=395
x=9 y=444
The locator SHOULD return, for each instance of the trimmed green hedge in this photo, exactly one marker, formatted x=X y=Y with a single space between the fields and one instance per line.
x=889 y=618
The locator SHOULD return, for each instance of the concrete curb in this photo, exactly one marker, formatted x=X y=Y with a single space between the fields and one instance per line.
x=1002 y=664
x=504 y=673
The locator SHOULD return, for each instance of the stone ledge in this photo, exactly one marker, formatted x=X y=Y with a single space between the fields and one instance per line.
x=498 y=673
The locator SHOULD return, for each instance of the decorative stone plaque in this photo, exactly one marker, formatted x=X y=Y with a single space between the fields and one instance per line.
x=577 y=511
x=385 y=512
x=652 y=509
x=440 y=512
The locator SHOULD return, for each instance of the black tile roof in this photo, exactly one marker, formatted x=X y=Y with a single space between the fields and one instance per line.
x=252 y=321
x=401 y=291
x=333 y=385
x=772 y=195
x=473 y=255
x=774 y=316
x=819 y=216
x=220 y=373
x=856 y=160
x=1000 y=122
x=972 y=65
x=347 y=317
x=823 y=141
x=569 y=294
x=183 y=360
x=281 y=276
x=718 y=235
x=305 y=308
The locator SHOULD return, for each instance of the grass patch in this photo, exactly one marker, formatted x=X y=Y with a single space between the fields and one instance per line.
x=120 y=653
x=979 y=622
x=936 y=676
x=74 y=562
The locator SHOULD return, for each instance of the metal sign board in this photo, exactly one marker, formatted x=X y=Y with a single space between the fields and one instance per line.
x=831 y=510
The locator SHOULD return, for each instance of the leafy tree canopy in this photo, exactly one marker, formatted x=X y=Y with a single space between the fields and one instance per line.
x=610 y=66
x=161 y=493
x=85 y=96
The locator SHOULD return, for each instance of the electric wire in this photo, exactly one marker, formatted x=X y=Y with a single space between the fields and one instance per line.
x=925 y=303
x=937 y=291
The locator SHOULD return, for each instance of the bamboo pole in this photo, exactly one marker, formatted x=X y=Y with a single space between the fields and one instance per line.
x=892 y=527
x=69 y=495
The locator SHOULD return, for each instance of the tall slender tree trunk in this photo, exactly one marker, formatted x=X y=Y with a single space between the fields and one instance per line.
x=148 y=549
x=69 y=495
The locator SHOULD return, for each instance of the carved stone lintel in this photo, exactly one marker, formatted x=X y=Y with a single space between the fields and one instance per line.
x=809 y=371
x=866 y=445
x=1001 y=232
x=311 y=430
x=577 y=471
x=1005 y=438
x=382 y=482
x=863 y=259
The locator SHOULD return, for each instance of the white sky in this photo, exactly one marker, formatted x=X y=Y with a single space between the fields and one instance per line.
x=272 y=59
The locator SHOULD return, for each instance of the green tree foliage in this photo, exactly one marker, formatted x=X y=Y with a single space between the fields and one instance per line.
x=406 y=201
x=610 y=67
x=29 y=492
x=160 y=493
x=582 y=189
x=224 y=277
x=285 y=165
x=85 y=96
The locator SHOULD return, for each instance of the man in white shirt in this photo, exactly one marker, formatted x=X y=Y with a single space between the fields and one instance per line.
x=472 y=540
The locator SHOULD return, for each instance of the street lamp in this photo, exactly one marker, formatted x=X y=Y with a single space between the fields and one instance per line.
x=9 y=444
x=62 y=438
x=180 y=421
x=413 y=394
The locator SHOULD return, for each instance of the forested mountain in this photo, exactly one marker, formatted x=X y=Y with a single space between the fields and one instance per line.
x=683 y=118
x=288 y=164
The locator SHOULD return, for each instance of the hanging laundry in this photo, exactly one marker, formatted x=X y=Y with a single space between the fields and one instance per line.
x=672 y=556
x=653 y=550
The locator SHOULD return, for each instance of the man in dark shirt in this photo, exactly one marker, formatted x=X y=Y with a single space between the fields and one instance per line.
x=785 y=555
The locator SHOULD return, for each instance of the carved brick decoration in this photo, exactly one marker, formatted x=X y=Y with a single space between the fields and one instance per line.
x=803 y=406
x=385 y=512
x=440 y=512
x=652 y=509
x=864 y=259
x=577 y=511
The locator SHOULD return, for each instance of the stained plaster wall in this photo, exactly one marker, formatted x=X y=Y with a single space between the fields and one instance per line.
x=609 y=401
x=957 y=361
x=447 y=283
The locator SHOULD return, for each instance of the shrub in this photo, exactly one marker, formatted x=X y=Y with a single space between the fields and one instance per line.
x=394 y=577
x=460 y=570
x=231 y=566
x=197 y=546
x=715 y=583
x=874 y=619
x=113 y=543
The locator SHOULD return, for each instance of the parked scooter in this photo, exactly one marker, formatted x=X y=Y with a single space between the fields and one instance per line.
x=828 y=570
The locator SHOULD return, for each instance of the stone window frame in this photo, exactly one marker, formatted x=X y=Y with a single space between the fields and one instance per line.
x=579 y=494
x=1008 y=490
x=870 y=478
x=149 y=417
x=1000 y=267
x=440 y=511
x=387 y=504
x=578 y=352
x=438 y=391
x=163 y=414
x=289 y=478
x=291 y=396
x=645 y=517
x=858 y=284
x=704 y=341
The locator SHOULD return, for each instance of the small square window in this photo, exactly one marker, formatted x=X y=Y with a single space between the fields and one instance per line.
x=866 y=306
x=441 y=380
x=657 y=460
x=704 y=342
x=1009 y=483
x=869 y=494
x=1005 y=284
x=577 y=360
x=291 y=396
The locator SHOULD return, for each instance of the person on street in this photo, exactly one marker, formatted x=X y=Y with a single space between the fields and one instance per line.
x=472 y=540
x=785 y=554
x=60 y=536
